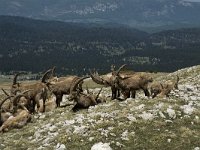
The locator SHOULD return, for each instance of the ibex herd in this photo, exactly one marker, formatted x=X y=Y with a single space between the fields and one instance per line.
x=16 y=108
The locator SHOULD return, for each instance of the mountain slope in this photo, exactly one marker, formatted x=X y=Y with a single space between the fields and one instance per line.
x=140 y=123
x=137 y=13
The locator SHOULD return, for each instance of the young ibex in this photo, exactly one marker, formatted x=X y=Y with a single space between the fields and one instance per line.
x=132 y=83
x=39 y=91
x=82 y=100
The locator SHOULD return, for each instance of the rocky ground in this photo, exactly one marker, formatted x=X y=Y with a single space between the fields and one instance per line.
x=141 y=123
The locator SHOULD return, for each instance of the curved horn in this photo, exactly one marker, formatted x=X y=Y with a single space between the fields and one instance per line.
x=161 y=85
x=120 y=68
x=46 y=75
x=98 y=94
x=53 y=71
x=3 y=101
x=177 y=80
x=17 y=97
x=75 y=84
x=5 y=92
x=97 y=79
x=176 y=83
x=15 y=78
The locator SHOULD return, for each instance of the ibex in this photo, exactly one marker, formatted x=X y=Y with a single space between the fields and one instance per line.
x=17 y=121
x=82 y=100
x=132 y=83
x=167 y=87
x=16 y=117
x=155 y=89
x=61 y=86
x=39 y=91
x=108 y=80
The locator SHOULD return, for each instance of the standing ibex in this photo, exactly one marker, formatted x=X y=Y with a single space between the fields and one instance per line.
x=82 y=100
x=60 y=86
x=107 y=80
x=39 y=91
x=132 y=83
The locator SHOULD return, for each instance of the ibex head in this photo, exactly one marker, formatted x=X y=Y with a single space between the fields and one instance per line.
x=116 y=76
x=97 y=79
x=74 y=90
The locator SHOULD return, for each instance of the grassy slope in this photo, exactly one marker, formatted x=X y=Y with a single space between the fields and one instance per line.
x=139 y=123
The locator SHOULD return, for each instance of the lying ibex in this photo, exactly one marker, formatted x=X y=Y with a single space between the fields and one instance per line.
x=61 y=86
x=82 y=100
x=167 y=87
x=107 y=80
x=4 y=114
x=39 y=91
x=16 y=117
x=17 y=121
x=132 y=83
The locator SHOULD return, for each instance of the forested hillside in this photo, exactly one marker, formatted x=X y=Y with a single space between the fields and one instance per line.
x=34 y=45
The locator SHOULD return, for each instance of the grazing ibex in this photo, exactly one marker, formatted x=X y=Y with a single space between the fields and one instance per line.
x=39 y=91
x=60 y=86
x=82 y=100
x=155 y=89
x=132 y=83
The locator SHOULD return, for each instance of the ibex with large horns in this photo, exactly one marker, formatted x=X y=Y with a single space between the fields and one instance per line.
x=60 y=86
x=82 y=100
x=107 y=81
x=17 y=116
x=132 y=83
x=39 y=91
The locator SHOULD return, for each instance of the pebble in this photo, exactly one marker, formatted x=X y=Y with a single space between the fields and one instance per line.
x=60 y=146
